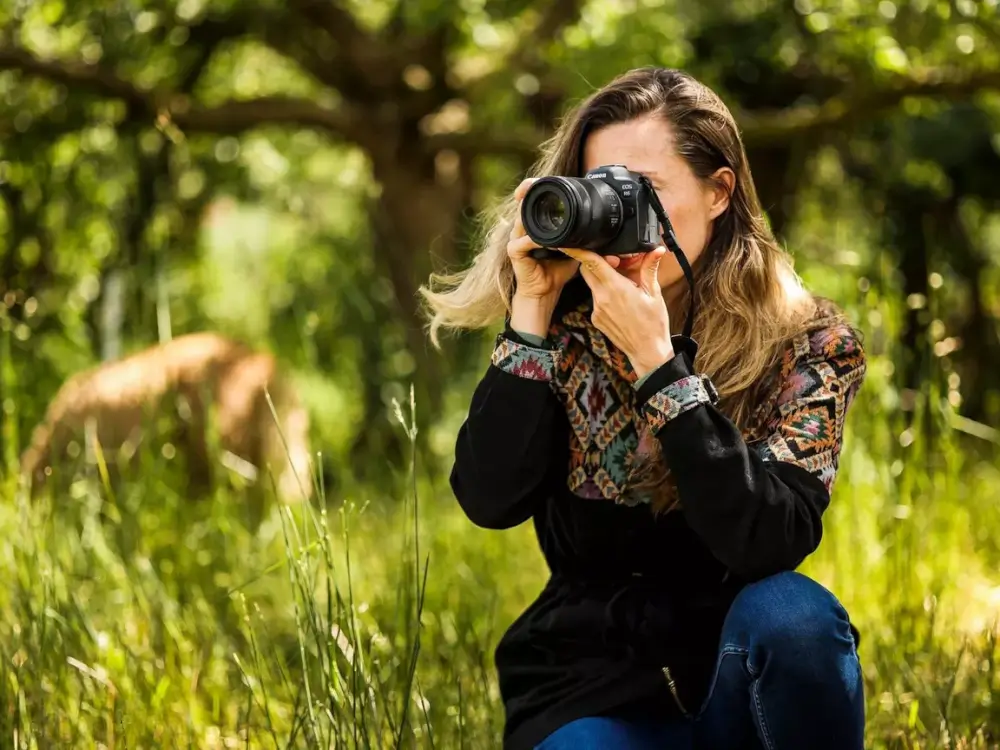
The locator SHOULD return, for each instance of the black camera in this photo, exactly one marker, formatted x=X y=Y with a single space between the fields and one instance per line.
x=609 y=211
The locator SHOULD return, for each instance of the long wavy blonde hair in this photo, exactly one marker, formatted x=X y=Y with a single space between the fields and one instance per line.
x=751 y=302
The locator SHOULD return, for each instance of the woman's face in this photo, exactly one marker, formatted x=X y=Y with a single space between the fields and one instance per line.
x=646 y=145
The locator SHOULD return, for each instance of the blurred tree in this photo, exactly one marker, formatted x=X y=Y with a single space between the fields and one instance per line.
x=120 y=123
x=925 y=171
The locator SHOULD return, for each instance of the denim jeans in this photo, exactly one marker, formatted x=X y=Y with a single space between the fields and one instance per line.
x=787 y=678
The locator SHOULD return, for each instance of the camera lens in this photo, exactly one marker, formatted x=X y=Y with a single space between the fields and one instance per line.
x=550 y=212
x=571 y=212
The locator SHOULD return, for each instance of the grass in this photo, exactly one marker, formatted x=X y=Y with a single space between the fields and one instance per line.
x=138 y=619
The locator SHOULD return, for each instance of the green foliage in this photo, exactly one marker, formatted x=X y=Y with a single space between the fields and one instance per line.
x=111 y=167
x=131 y=623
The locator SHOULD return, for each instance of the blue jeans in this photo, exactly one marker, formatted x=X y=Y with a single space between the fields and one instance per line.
x=787 y=677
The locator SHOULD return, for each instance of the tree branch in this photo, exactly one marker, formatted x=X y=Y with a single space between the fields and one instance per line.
x=357 y=55
x=342 y=27
x=237 y=116
x=759 y=128
x=513 y=142
x=555 y=16
x=763 y=128
x=206 y=37
x=288 y=33
x=231 y=117
x=367 y=65
x=311 y=49
x=72 y=74
x=43 y=129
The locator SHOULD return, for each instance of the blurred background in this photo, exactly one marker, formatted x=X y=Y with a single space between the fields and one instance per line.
x=286 y=173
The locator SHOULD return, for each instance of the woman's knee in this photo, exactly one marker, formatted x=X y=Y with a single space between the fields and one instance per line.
x=599 y=732
x=791 y=616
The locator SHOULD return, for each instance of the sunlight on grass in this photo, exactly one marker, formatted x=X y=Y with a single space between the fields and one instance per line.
x=157 y=622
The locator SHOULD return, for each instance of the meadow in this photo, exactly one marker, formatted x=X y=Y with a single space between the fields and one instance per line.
x=131 y=617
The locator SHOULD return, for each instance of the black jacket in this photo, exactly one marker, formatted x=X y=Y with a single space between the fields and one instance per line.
x=632 y=613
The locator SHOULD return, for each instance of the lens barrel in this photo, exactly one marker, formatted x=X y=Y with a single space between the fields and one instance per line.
x=571 y=212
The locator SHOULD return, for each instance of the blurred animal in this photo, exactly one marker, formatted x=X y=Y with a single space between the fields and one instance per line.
x=212 y=388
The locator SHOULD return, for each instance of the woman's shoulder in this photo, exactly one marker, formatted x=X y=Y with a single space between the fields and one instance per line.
x=825 y=359
x=825 y=344
x=826 y=356
x=830 y=336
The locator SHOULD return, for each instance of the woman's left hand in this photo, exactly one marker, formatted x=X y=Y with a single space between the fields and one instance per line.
x=633 y=315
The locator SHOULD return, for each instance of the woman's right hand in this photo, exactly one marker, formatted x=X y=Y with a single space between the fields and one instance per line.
x=540 y=280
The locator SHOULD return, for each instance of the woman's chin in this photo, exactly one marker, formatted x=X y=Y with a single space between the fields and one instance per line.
x=629 y=266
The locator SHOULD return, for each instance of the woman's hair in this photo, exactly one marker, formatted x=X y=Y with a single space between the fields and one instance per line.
x=750 y=300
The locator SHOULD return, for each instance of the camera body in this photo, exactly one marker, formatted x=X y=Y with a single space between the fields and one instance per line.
x=608 y=211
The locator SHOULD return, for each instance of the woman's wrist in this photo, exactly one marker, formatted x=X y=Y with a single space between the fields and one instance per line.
x=653 y=356
x=532 y=314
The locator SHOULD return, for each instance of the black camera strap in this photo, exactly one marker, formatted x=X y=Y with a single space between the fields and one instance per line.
x=670 y=239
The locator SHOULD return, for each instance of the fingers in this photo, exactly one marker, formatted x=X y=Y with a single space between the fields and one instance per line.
x=649 y=270
x=602 y=287
x=518 y=229
x=588 y=277
x=519 y=248
x=594 y=265
x=584 y=256
x=522 y=188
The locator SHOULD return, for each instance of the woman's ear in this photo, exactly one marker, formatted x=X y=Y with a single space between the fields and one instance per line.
x=721 y=186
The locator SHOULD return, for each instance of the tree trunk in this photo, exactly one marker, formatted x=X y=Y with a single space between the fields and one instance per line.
x=778 y=172
x=908 y=214
x=978 y=332
x=418 y=220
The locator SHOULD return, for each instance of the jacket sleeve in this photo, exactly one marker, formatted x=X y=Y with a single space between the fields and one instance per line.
x=758 y=507
x=502 y=454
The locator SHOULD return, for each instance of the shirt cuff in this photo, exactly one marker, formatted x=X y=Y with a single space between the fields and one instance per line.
x=524 y=361
x=669 y=391
x=530 y=338
x=674 y=369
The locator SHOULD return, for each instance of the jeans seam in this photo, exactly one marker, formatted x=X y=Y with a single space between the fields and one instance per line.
x=723 y=653
x=759 y=705
x=765 y=734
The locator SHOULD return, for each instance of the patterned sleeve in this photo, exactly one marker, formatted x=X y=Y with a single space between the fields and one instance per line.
x=673 y=400
x=524 y=361
x=758 y=506
x=807 y=427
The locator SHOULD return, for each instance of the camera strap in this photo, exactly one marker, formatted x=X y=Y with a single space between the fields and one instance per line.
x=670 y=240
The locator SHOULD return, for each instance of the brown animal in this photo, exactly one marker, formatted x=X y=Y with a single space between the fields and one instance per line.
x=114 y=402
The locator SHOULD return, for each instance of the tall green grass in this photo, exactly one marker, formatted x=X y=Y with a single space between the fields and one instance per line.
x=140 y=618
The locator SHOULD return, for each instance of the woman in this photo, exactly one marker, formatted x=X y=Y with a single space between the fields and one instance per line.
x=671 y=513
